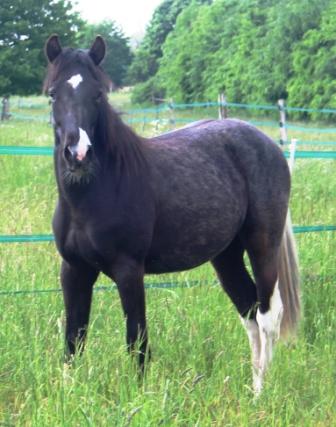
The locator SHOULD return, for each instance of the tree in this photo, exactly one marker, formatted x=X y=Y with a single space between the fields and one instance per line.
x=181 y=64
x=146 y=61
x=144 y=69
x=245 y=48
x=24 y=28
x=118 y=55
x=313 y=83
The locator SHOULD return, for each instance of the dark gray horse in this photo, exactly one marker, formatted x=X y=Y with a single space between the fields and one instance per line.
x=129 y=206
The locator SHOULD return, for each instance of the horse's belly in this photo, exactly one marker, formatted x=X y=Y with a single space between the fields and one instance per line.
x=201 y=206
x=189 y=245
x=174 y=261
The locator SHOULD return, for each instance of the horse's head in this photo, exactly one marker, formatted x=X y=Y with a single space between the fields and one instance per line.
x=76 y=86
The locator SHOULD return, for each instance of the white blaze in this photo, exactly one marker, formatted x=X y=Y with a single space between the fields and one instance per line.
x=75 y=80
x=83 y=144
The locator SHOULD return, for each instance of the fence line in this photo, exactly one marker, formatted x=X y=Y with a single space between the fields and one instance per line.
x=168 y=106
x=312 y=154
x=326 y=143
x=159 y=285
x=298 y=229
x=311 y=130
x=25 y=150
x=45 y=238
x=26 y=238
x=48 y=151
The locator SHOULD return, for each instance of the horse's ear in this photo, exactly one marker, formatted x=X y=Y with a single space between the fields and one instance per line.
x=98 y=50
x=52 y=48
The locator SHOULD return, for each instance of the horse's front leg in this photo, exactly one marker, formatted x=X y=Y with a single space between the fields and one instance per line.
x=77 y=284
x=129 y=277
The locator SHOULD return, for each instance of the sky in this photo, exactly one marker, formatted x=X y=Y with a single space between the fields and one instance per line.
x=131 y=15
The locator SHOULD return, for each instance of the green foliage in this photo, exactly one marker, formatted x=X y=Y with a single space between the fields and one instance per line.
x=181 y=64
x=118 y=55
x=314 y=65
x=145 y=63
x=150 y=91
x=255 y=50
x=24 y=28
x=288 y=23
x=252 y=42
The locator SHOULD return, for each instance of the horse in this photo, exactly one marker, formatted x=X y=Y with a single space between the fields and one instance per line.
x=129 y=206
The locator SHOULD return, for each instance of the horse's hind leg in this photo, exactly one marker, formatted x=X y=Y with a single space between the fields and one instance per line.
x=263 y=251
x=238 y=284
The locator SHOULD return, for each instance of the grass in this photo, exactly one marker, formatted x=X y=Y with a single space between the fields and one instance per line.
x=200 y=373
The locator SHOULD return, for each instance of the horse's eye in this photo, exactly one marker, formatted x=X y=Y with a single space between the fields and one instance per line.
x=99 y=96
x=52 y=94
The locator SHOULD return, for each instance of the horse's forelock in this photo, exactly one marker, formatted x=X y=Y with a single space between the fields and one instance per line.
x=71 y=59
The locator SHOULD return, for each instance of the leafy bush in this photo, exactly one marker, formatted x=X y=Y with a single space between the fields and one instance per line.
x=148 y=92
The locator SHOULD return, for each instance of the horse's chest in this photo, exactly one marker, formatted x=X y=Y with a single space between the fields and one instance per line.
x=89 y=246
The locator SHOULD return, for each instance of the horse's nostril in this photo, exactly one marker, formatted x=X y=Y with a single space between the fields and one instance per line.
x=71 y=150
x=70 y=153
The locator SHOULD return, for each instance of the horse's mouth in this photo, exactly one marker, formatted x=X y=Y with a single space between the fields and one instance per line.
x=79 y=173
x=77 y=169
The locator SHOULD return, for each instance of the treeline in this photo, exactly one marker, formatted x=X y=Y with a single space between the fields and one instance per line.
x=253 y=50
x=24 y=28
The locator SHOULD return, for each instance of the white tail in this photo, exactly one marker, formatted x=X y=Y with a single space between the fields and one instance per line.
x=289 y=282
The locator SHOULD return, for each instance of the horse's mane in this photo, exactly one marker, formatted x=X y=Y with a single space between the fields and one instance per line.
x=121 y=141
x=111 y=132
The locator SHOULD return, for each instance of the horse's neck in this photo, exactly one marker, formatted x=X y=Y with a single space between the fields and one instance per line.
x=106 y=186
x=74 y=195
x=125 y=143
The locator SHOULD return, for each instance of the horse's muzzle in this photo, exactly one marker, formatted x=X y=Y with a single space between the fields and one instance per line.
x=76 y=156
x=77 y=147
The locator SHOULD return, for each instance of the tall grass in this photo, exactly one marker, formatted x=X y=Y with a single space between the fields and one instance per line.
x=200 y=372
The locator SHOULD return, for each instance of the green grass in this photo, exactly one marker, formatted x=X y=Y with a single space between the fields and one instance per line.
x=200 y=372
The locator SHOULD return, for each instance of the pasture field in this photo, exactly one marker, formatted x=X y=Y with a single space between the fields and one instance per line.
x=200 y=371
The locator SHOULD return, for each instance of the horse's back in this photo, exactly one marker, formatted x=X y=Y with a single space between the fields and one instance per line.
x=221 y=145
x=212 y=134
